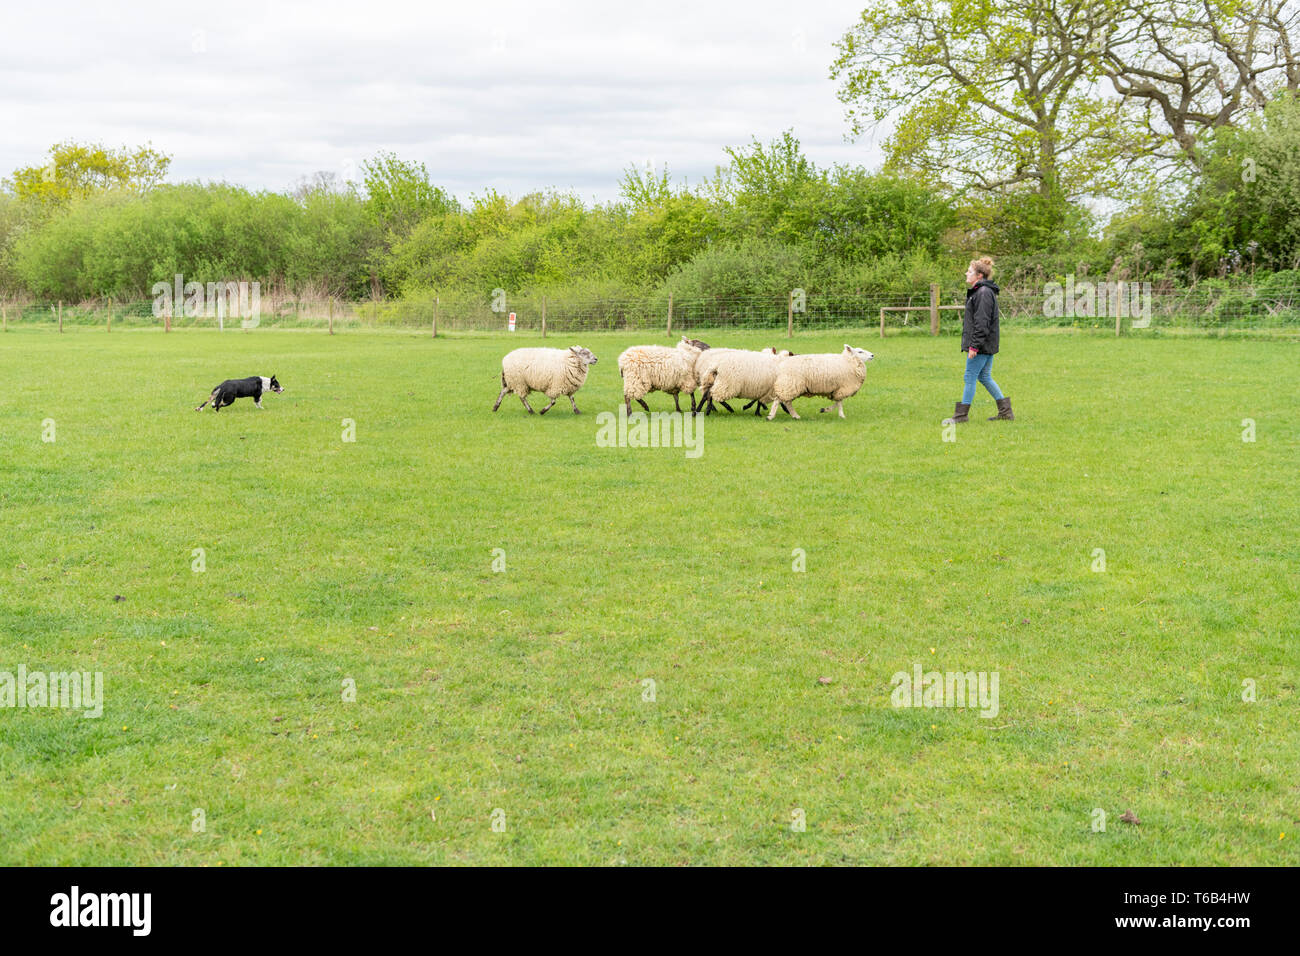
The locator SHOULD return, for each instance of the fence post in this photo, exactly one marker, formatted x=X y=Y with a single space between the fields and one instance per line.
x=882 y=322
x=934 y=308
x=374 y=313
x=331 y=315
x=789 y=317
x=110 y=313
x=437 y=301
x=670 y=315
x=543 y=316
x=1119 y=312
x=167 y=318
x=60 y=315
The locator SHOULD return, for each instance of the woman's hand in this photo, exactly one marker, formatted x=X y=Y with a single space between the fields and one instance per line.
x=971 y=353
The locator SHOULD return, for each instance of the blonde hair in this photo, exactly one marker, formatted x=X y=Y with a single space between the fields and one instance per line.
x=983 y=266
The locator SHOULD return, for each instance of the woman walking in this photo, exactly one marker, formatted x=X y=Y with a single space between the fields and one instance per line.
x=979 y=340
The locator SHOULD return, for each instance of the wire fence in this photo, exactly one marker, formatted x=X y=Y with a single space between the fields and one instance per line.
x=1119 y=307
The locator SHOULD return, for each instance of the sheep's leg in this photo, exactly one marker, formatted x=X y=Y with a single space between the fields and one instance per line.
x=641 y=402
x=838 y=406
x=676 y=402
x=790 y=409
x=575 y=406
x=500 y=397
x=751 y=405
x=526 y=405
x=727 y=407
x=550 y=406
x=760 y=409
x=628 y=402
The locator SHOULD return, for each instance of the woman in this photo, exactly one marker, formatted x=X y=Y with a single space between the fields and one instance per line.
x=979 y=340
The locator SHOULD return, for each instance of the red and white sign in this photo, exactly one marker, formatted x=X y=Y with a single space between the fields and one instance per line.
x=511 y=326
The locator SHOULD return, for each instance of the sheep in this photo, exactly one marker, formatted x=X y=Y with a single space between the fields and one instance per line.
x=745 y=375
x=833 y=375
x=705 y=366
x=554 y=372
x=660 y=368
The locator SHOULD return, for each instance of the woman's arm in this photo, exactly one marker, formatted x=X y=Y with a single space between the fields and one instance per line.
x=981 y=319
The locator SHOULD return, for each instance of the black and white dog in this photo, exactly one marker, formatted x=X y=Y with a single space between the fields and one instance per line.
x=233 y=388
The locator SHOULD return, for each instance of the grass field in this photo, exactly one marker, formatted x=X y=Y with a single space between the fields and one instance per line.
x=327 y=561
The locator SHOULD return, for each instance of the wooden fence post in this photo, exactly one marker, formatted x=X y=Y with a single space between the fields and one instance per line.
x=110 y=313
x=543 y=316
x=882 y=322
x=670 y=315
x=1119 y=312
x=374 y=313
x=437 y=301
x=60 y=315
x=167 y=318
x=789 y=317
x=934 y=308
x=331 y=315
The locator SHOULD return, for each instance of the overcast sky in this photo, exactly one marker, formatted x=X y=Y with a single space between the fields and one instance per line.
x=508 y=95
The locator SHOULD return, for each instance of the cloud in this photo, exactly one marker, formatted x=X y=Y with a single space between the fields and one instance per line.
x=510 y=96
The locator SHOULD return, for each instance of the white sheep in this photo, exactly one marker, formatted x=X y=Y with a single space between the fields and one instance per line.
x=705 y=366
x=554 y=372
x=833 y=375
x=744 y=375
x=660 y=368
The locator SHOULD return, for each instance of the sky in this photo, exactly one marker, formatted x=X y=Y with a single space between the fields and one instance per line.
x=509 y=96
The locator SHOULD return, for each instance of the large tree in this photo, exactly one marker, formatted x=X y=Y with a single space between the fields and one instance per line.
x=1001 y=97
x=77 y=170
x=1068 y=98
x=1186 y=69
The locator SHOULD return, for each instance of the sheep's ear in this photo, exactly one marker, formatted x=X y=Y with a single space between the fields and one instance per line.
x=848 y=348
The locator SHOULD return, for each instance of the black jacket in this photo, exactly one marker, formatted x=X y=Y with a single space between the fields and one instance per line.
x=979 y=324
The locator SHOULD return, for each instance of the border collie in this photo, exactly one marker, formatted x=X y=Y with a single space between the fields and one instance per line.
x=233 y=388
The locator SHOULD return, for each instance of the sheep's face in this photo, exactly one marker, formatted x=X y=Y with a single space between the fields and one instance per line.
x=862 y=354
x=584 y=355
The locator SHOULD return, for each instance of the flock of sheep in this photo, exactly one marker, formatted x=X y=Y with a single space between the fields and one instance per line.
x=766 y=378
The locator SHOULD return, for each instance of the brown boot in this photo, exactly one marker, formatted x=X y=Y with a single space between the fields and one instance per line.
x=1004 y=411
x=960 y=415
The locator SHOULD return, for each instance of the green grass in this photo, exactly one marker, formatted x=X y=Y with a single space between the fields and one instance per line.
x=523 y=690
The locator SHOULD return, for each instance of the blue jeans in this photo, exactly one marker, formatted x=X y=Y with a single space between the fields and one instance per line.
x=980 y=369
